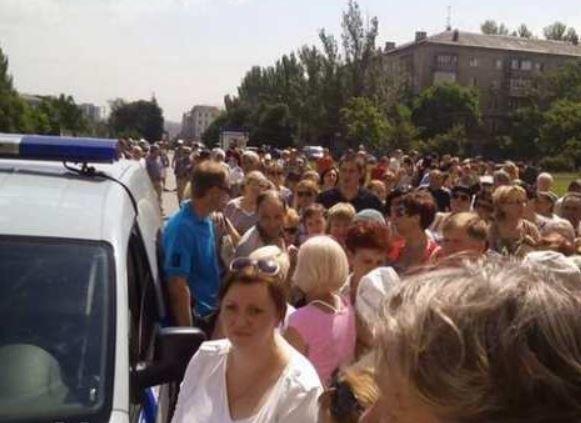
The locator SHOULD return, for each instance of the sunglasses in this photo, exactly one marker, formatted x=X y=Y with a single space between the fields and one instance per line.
x=291 y=230
x=305 y=193
x=268 y=267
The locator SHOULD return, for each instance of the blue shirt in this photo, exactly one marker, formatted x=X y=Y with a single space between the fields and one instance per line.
x=190 y=252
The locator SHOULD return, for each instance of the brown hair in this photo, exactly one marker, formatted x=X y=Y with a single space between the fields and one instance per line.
x=270 y=195
x=313 y=210
x=368 y=235
x=487 y=341
x=342 y=211
x=422 y=203
x=207 y=175
x=248 y=276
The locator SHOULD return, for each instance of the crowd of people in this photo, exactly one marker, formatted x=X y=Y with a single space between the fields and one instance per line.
x=401 y=288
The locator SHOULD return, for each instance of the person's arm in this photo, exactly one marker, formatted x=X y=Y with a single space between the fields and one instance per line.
x=294 y=338
x=179 y=301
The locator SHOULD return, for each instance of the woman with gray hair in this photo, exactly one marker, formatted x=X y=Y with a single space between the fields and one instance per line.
x=493 y=341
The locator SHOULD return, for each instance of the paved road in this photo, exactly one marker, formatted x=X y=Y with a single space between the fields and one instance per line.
x=169 y=198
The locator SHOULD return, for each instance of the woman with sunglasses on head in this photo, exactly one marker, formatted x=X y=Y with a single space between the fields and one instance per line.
x=253 y=375
x=324 y=329
x=275 y=174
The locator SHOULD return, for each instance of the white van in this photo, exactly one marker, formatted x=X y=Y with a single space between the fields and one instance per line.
x=81 y=298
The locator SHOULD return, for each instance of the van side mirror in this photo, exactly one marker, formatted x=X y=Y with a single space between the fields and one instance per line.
x=174 y=348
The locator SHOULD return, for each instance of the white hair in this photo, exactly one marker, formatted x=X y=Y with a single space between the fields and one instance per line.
x=321 y=266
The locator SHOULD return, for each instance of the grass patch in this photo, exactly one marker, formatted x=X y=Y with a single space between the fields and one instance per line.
x=562 y=181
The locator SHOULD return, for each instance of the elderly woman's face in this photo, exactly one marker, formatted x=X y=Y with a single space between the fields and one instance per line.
x=513 y=207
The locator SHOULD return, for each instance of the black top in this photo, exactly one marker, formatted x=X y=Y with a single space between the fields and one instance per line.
x=363 y=200
x=442 y=198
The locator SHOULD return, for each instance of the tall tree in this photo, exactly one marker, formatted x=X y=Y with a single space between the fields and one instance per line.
x=491 y=27
x=523 y=31
x=571 y=36
x=555 y=31
x=365 y=124
x=441 y=107
x=358 y=47
x=140 y=118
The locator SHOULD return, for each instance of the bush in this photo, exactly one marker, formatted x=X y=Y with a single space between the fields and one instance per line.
x=560 y=163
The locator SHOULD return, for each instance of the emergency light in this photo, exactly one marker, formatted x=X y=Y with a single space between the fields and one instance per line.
x=55 y=148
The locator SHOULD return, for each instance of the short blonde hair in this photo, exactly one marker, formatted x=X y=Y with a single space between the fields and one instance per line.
x=309 y=185
x=321 y=266
x=508 y=192
x=491 y=340
x=341 y=211
x=471 y=223
x=291 y=217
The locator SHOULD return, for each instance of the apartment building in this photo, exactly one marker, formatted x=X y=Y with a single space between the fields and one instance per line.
x=502 y=68
x=196 y=121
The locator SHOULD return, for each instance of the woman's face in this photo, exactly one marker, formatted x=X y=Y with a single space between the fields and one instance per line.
x=330 y=179
x=460 y=202
x=248 y=314
x=315 y=225
x=513 y=208
x=254 y=187
x=403 y=222
x=305 y=197
x=364 y=260
x=276 y=176
x=338 y=229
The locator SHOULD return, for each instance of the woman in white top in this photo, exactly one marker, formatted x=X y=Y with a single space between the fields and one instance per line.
x=253 y=375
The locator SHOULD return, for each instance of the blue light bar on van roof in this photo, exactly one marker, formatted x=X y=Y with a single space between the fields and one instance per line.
x=55 y=148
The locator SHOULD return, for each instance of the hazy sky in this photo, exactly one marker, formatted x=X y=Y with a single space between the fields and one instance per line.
x=196 y=51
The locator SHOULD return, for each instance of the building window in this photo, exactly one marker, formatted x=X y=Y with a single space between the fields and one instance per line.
x=519 y=84
x=446 y=60
x=473 y=61
x=495 y=85
x=540 y=66
x=526 y=65
x=514 y=64
x=474 y=81
x=499 y=64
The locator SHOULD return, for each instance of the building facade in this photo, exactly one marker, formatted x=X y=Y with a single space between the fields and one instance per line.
x=502 y=68
x=196 y=121
x=91 y=112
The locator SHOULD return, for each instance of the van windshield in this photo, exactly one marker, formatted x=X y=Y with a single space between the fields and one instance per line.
x=56 y=309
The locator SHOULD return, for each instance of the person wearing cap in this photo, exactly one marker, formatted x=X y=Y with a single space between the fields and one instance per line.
x=349 y=189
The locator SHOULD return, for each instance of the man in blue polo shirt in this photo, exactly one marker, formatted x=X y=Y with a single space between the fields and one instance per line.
x=191 y=259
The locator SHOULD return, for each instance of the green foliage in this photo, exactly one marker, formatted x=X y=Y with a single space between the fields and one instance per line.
x=275 y=126
x=139 y=119
x=454 y=141
x=555 y=31
x=443 y=106
x=365 y=124
x=490 y=27
x=559 y=163
x=562 y=122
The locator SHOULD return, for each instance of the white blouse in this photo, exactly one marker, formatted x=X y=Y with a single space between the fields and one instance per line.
x=203 y=397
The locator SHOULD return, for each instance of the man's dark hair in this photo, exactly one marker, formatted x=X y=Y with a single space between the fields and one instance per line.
x=208 y=175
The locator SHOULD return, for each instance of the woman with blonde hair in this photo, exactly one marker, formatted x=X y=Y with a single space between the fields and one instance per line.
x=493 y=341
x=241 y=211
x=324 y=329
x=305 y=194
x=510 y=233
